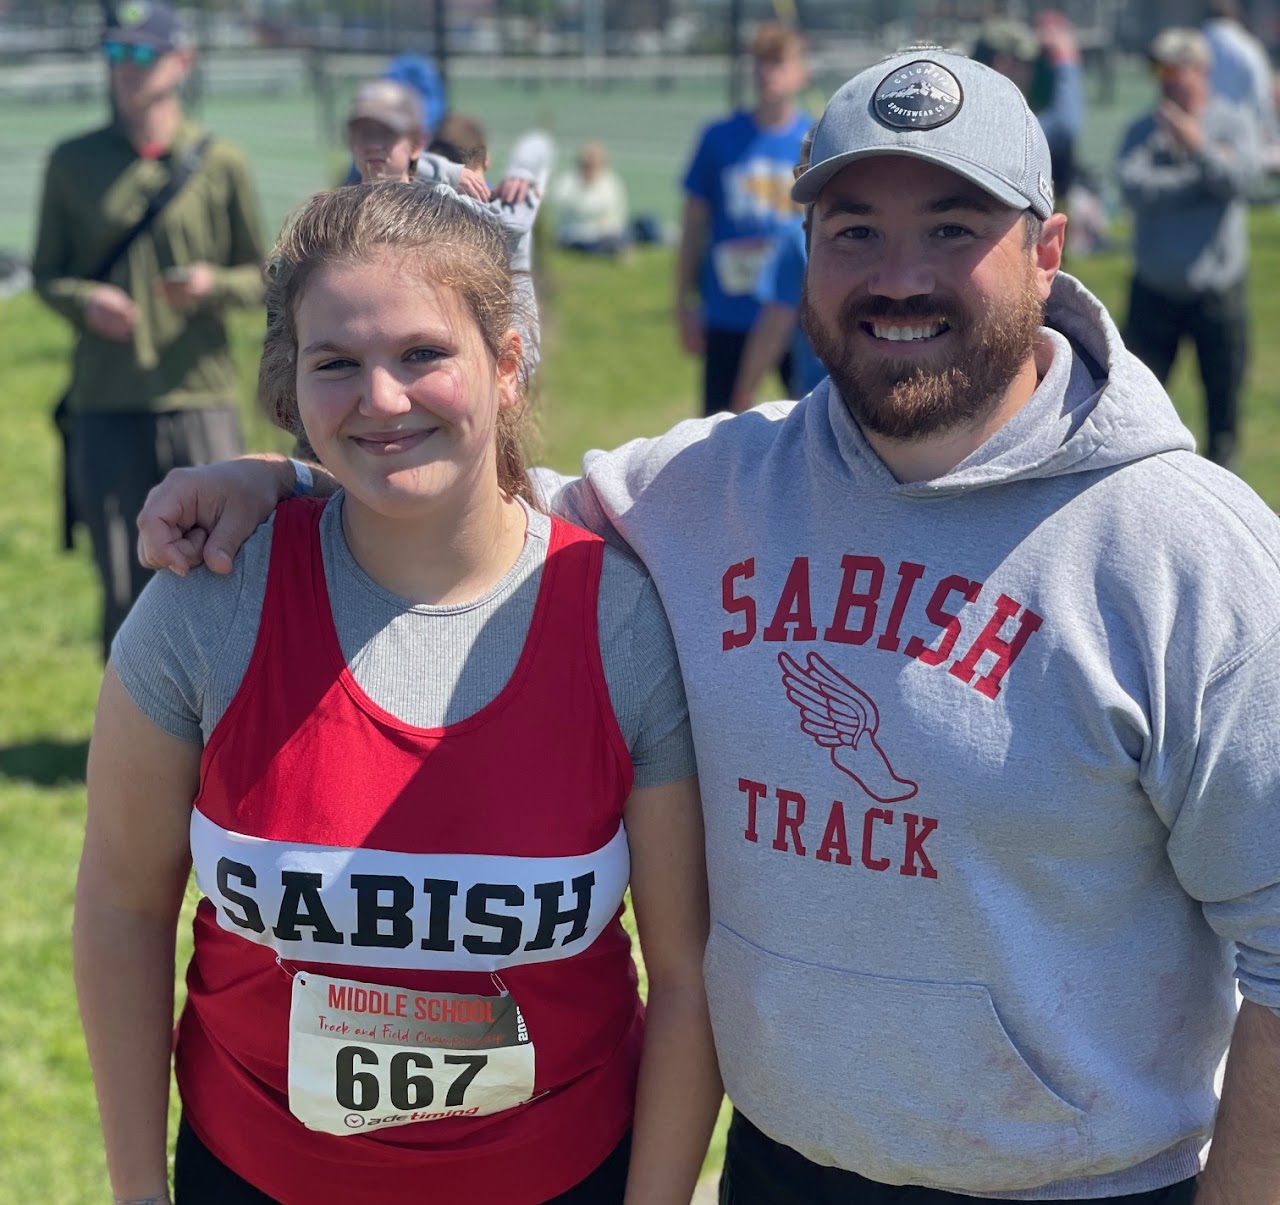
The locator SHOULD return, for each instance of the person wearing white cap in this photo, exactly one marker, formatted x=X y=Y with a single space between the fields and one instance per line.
x=981 y=662
x=1186 y=170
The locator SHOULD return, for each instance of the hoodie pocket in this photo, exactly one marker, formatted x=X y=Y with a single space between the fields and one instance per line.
x=904 y=1082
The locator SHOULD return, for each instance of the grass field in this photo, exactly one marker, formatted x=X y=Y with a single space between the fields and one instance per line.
x=611 y=371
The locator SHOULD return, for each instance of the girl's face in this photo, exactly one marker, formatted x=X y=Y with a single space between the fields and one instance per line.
x=397 y=391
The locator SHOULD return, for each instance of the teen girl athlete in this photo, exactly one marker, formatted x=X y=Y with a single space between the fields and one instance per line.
x=399 y=743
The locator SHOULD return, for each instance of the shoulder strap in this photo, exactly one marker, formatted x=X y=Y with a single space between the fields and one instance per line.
x=182 y=172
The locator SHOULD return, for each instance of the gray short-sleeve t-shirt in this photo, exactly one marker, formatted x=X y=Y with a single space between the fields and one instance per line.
x=185 y=646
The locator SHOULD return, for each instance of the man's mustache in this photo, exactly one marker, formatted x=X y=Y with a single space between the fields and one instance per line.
x=905 y=311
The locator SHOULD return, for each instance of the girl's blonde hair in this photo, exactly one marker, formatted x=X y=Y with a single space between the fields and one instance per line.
x=427 y=228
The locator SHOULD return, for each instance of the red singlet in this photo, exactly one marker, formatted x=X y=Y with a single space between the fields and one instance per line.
x=330 y=838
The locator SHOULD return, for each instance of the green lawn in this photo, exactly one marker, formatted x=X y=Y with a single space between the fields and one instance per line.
x=611 y=371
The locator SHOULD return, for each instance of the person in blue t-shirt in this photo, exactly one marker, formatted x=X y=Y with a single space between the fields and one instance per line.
x=776 y=334
x=737 y=201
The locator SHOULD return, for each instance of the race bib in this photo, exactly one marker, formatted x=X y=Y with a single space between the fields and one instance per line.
x=738 y=264
x=363 y=1057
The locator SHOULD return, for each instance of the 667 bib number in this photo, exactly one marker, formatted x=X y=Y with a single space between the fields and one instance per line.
x=363 y=1057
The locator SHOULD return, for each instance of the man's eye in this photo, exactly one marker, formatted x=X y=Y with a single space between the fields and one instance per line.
x=953 y=230
x=855 y=233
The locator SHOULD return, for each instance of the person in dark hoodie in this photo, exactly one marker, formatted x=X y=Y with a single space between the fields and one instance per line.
x=981 y=664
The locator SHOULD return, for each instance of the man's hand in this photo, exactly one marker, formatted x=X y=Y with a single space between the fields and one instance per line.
x=692 y=334
x=207 y=513
x=1184 y=128
x=110 y=313
x=512 y=191
x=185 y=287
x=473 y=184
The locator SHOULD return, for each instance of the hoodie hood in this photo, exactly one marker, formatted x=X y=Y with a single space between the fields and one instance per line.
x=1097 y=407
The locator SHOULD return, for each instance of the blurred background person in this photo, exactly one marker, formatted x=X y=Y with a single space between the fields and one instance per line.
x=417 y=100
x=153 y=382
x=737 y=201
x=461 y=138
x=1186 y=169
x=591 y=205
x=1239 y=68
x=777 y=334
x=386 y=133
x=776 y=337
x=1045 y=64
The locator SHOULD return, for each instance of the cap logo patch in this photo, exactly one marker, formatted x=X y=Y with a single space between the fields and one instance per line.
x=1046 y=190
x=131 y=14
x=919 y=96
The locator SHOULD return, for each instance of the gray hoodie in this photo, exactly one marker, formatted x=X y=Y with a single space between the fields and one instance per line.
x=990 y=773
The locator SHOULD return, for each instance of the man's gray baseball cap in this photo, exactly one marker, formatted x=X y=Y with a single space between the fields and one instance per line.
x=948 y=109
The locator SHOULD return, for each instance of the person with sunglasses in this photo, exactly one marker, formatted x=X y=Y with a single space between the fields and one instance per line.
x=153 y=382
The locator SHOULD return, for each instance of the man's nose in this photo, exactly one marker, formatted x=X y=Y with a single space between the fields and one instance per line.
x=900 y=271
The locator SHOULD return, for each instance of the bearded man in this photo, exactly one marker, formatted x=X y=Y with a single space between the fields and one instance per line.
x=981 y=666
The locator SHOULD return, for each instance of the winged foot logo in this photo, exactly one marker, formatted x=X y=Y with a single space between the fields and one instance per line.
x=843 y=719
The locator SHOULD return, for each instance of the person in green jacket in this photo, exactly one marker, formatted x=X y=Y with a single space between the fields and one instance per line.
x=153 y=381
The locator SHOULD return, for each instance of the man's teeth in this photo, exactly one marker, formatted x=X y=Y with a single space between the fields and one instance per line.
x=905 y=334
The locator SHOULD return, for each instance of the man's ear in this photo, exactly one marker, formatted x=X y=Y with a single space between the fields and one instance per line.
x=1048 y=251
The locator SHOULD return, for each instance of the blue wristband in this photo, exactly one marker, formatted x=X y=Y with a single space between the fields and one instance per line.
x=304 y=482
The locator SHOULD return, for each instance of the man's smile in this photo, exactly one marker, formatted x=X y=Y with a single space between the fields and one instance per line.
x=891 y=332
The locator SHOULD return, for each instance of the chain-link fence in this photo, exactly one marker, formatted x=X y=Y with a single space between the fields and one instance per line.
x=556 y=29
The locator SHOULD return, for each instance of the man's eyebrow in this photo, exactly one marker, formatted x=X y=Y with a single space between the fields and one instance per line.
x=840 y=205
x=970 y=201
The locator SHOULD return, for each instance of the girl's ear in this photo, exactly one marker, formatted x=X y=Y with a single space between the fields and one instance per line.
x=509 y=370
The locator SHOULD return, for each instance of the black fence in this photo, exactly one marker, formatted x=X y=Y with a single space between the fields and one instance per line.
x=557 y=28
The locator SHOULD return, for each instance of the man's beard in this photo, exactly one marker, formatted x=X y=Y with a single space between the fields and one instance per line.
x=911 y=398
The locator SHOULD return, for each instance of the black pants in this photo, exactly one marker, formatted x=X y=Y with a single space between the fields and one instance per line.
x=199 y=1178
x=1217 y=323
x=115 y=460
x=759 y=1171
x=720 y=367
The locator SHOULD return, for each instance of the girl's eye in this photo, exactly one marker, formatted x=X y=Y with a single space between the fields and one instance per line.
x=330 y=365
x=424 y=355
